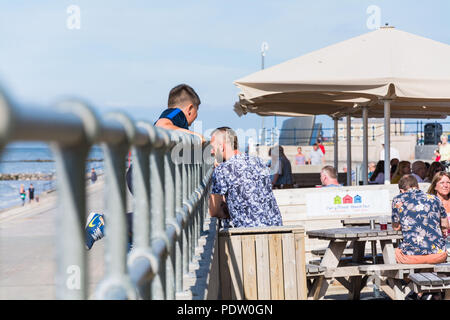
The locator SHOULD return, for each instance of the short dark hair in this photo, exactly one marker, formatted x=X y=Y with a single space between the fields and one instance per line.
x=182 y=93
x=230 y=136
x=408 y=181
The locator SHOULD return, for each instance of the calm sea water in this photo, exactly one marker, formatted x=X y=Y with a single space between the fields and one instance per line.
x=12 y=161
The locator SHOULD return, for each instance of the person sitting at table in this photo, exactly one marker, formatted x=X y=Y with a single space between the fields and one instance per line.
x=434 y=168
x=281 y=169
x=419 y=170
x=422 y=219
x=404 y=167
x=440 y=187
x=328 y=177
x=378 y=175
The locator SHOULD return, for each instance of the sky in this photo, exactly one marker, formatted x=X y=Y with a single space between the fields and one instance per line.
x=127 y=55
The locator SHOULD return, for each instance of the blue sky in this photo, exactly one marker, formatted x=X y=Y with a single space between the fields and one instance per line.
x=128 y=54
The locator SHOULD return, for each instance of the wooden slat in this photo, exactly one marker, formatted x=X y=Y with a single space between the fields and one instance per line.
x=419 y=279
x=259 y=230
x=442 y=267
x=388 y=252
x=300 y=261
x=393 y=267
x=235 y=266
x=225 y=279
x=263 y=267
x=249 y=267
x=435 y=280
x=289 y=269
x=312 y=268
x=276 y=267
x=445 y=278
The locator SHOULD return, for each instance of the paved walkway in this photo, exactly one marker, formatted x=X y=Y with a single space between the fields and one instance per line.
x=27 y=242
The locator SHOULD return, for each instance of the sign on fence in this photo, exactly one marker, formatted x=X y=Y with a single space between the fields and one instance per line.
x=341 y=202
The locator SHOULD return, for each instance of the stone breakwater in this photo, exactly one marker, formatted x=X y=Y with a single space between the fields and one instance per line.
x=26 y=176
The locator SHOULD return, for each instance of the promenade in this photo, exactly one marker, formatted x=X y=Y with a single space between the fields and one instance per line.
x=27 y=248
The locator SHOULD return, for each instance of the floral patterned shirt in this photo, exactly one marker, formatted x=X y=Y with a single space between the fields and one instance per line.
x=245 y=182
x=419 y=215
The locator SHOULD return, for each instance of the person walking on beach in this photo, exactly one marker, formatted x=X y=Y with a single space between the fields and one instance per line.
x=22 y=194
x=31 y=193
x=93 y=176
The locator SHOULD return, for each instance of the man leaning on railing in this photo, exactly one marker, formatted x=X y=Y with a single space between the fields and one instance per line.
x=241 y=191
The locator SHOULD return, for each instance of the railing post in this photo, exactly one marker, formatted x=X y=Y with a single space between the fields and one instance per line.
x=172 y=227
x=186 y=208
x=116 y=284
x=177 y=218
x=71 y=274
x=141 y=219
x=159 y=240
x=71 y=278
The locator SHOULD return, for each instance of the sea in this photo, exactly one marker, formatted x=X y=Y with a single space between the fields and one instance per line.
x=34 y=157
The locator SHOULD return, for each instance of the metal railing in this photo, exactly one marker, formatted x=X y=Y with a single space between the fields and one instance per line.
x=171 y=178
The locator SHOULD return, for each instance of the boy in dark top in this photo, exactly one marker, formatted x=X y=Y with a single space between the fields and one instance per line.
x=181 y=112
x=31 y=192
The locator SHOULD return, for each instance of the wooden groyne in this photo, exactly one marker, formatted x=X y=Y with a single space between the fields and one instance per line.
x=27 y=176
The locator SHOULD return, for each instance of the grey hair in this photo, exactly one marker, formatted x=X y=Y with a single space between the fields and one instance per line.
x=230 y=136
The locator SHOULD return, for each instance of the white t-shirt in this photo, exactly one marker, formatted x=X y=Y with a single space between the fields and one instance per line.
x=316 y=157
x=393 y=154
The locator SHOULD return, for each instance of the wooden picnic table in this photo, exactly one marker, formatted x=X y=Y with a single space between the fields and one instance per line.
x=351 y=276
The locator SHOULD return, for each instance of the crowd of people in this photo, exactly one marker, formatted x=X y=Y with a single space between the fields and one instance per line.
x=242 y=188
x=422 y=171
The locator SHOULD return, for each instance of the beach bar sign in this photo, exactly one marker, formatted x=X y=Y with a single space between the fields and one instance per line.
x=345 y=202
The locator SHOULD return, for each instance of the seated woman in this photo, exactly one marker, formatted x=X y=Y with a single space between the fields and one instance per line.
x=404 y=167
x=434 y=168
x=377 y=176
x=440 y=187
x=281 y=169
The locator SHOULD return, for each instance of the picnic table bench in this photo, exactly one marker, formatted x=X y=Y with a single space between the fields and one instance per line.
x=364 y=221
x=436 y=281
x=354 y=275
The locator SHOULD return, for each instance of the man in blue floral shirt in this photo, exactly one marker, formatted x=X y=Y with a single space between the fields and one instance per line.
x=241 y=186
x=422 y=219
